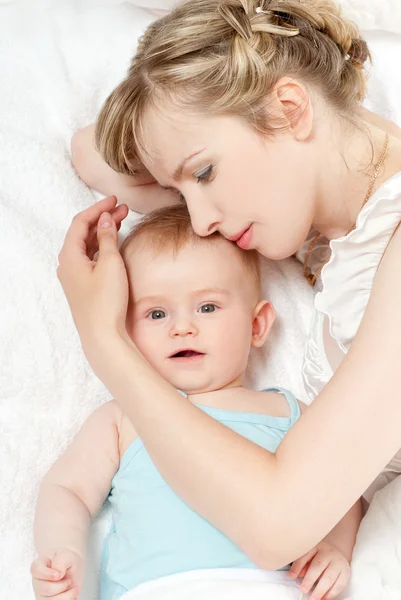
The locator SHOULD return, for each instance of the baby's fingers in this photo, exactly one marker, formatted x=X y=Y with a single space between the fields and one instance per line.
x=298 y=566
x=318 y=565
x=338 y=587
x=63 y=560
x=40 y=569
x=71 y=594
x=51 y=589
x=328 y=582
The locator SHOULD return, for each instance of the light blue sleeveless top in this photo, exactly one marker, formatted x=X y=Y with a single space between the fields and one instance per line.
x=154 y=533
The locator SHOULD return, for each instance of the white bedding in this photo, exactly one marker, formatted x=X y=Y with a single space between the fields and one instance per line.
x=58 y=61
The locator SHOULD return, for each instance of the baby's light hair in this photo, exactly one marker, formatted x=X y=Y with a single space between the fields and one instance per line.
x=169 y=228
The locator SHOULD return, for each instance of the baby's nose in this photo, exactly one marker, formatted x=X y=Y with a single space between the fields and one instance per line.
x=183 y=327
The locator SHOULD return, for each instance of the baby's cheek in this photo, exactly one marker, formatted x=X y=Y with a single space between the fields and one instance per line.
x=147 y=339
x=234 y=350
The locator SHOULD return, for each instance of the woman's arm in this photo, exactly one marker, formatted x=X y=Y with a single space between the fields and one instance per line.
x=275 y=507
x=142 y=194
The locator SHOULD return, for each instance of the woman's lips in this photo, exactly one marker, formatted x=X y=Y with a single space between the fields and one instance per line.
x=244 y=241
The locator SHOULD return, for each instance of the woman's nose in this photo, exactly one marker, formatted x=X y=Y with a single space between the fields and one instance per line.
x=205 y=219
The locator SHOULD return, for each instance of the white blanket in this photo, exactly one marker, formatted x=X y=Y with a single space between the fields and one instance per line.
x=220 y=584
x=58 y=61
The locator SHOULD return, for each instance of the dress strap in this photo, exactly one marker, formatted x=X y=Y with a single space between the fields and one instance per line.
x=295 y=411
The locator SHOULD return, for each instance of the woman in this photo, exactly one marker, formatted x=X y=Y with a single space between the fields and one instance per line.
x=250 y=112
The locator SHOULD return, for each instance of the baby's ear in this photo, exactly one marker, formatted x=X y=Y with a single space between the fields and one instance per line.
x=263 y=319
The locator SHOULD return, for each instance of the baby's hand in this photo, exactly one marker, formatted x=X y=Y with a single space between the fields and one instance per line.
x=324 y=565
x=59 y=576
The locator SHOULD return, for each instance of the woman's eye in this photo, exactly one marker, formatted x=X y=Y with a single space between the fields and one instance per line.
x=156 y=315
x=181 y=198
x=208 y=308
x=204 y=174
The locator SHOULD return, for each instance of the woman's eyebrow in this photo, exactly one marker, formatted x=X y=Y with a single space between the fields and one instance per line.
x=178 y=172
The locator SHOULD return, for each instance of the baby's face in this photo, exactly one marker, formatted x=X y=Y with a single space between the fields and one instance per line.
x=191 y=314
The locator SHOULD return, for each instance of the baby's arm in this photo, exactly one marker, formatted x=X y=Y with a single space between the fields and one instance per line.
x=72 y=492
x=141 y=193
x=343 y=536
x=327 y=565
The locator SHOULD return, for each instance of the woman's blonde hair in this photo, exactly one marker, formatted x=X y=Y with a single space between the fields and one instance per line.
x=224 y=57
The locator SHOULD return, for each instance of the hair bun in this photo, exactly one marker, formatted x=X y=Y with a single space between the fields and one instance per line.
x=358 y=52
x=235 y=14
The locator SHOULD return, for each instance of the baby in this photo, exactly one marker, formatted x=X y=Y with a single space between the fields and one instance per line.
x=195 y=310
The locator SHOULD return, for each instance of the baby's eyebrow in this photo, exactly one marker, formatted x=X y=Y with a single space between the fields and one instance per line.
x=212 y=291
x=200 y=292
x=149 y=300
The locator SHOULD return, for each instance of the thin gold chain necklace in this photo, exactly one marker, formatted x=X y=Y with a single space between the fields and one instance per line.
x=312 y=277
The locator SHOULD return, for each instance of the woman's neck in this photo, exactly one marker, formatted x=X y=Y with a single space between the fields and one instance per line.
x=347 y=174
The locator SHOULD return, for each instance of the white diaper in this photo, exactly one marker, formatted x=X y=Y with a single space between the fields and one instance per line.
x=220 y=584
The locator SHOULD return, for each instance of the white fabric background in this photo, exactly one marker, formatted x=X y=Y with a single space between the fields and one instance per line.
x=58 y=62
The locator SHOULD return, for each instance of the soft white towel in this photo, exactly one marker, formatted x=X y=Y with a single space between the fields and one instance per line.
x=220 y=584
x=58 y=61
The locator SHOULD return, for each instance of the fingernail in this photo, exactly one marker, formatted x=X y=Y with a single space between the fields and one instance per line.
x=55 y=574
x=105 y=220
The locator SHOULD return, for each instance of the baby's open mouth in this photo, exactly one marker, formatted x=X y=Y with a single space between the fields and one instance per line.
x=188 y=353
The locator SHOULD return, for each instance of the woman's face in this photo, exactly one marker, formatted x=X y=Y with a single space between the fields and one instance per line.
x=234 y=180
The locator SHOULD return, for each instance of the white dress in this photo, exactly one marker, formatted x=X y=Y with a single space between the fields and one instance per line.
x=343 y=292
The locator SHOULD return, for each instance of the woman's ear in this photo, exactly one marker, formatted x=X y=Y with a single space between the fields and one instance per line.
x=292 y=102
x=263 y=319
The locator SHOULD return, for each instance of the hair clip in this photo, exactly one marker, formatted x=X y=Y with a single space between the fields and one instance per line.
x=265 y=10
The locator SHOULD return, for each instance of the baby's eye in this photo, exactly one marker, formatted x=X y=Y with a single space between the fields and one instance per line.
x=208 y=308
x=204 y=174
x=158 y=314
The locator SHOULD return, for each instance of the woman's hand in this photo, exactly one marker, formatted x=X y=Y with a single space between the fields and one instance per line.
x=96 y=290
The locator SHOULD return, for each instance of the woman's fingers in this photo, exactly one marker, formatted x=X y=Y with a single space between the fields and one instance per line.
x=119 y=214
x=75 y=242
x=107 y=236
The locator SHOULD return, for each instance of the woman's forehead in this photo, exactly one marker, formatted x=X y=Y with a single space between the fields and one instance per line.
x=169 y=137
x=172 y=135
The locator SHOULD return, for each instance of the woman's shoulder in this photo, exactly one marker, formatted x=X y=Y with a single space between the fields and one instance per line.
x=347 y=279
